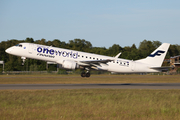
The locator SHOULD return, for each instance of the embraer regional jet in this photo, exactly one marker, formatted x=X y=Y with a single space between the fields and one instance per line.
x=71 y=59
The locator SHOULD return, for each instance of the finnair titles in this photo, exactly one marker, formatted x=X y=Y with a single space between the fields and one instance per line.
x=71 y=59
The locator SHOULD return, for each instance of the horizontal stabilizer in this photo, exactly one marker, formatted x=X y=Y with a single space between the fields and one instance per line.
x=165 y=68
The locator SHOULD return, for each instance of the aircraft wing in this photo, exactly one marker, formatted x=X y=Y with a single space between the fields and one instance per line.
x=96 y=64
x=95 y=61
x=100 y=61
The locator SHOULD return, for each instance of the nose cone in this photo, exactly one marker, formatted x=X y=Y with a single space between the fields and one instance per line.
x=8 y=50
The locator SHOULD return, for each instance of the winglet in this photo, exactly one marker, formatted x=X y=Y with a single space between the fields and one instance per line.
x=117 y=55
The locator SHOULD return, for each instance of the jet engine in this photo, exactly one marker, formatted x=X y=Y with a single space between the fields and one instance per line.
x=69 y=64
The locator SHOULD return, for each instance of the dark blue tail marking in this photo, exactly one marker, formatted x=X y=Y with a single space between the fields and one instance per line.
x=158 y=53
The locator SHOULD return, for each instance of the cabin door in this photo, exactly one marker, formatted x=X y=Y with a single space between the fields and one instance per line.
x=31 y=48
x=133 y=66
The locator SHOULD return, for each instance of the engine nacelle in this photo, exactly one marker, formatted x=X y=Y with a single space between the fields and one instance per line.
x=69 y=64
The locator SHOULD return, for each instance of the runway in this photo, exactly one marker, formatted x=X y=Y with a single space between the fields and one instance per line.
x=91 y=86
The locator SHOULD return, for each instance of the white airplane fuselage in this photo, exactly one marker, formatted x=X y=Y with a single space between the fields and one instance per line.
x=73 y=59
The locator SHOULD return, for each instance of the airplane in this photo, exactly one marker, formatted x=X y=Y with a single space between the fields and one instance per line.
x=72 y=59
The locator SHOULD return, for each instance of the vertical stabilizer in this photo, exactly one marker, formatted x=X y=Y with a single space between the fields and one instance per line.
x=156 y=58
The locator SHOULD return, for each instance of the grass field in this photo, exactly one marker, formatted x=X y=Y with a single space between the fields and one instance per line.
x=92 y=104
x=68 y=79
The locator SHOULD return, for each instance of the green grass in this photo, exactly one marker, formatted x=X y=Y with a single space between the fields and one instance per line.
x=92 y=104
x=76 y=79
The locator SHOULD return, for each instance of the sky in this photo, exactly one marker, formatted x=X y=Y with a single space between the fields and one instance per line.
x=101 y=22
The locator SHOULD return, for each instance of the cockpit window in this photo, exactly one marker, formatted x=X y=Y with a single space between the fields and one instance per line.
x=19 y=45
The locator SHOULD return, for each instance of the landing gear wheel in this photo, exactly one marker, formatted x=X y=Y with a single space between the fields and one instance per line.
x=83 y=74
x=88 y=74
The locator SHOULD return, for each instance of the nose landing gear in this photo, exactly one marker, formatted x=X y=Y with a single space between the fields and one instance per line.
x=23 y=59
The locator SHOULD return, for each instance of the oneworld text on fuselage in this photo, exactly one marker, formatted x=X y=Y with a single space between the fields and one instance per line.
x=42 y=51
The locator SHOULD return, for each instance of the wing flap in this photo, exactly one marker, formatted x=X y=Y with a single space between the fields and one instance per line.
x=96 y=61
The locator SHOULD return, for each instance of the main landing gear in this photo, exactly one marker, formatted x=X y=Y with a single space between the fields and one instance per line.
x=85 y=74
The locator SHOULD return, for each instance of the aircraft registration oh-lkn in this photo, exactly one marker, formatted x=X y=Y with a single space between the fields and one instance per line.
x=71 y=59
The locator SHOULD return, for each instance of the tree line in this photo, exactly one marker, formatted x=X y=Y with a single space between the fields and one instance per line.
x=14 y=63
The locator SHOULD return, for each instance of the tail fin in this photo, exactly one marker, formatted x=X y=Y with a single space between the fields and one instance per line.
x=156 y=58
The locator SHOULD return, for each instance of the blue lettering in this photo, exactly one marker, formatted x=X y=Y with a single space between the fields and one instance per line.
x=39 y=49
x=55 y=52
x=51 y=51
x=59 y=53
x=75 y=55
x=45 y=50
x=69 y=54
x=64 y=54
